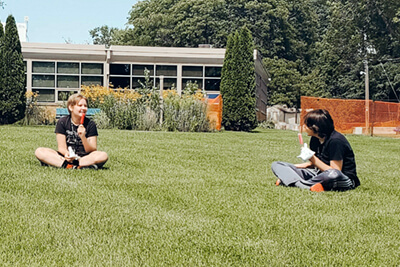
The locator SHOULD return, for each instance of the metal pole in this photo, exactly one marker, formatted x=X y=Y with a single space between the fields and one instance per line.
x=366 y=97
x=161 y=99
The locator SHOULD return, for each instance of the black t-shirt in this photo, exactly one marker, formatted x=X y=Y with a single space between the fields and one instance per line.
x=66 y=127
x=336 y=147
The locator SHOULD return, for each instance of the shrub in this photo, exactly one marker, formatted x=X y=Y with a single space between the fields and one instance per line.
x=142 y=110
x=187 y=113
x=35 y=114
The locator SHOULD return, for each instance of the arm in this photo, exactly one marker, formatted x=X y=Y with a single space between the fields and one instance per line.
x=304 y=165
x=90 y=143
x=333 y=164
x=62 y=144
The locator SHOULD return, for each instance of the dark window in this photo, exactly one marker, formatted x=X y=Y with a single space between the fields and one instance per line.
x=139 y=69
x=136 y=84
x=213 y=71
x=199 y=82
x=166 y=70
x=212 y=84
x=168 y=83
x=120 y=82
x=192 y=71
x=120 y=69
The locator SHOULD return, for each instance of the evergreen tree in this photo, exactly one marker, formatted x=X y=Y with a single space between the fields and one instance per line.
x=1 y=58
x=238 y=83
x=12 y=91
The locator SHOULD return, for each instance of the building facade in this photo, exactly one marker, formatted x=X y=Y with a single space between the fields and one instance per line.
x=57 y=70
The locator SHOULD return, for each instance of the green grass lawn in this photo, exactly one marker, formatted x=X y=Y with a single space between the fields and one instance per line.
x=193 y=199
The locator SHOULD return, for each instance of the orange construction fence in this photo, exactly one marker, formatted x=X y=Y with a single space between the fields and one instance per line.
x=214 y=112
x=351 y=113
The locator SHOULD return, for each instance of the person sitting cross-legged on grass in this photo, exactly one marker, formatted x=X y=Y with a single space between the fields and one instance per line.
x=77 y=143
x=330 y=163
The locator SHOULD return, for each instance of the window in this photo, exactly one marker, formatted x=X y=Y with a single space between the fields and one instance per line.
x=56 y=80
x=120 y=69
x=192 y=71
x=199 y=82
x=43 y=80
x=43 y=67
x=212 y=84
x=92 y=68
x=67 y=81
x=68 y=68
x=137 y=80
x=120 y=82
x=45 y=95
x=213 y=71
x=166 y=70
x=92 y=80
x=138 y=70
x=169 y=83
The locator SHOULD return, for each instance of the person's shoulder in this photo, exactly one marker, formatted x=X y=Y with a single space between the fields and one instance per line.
x=64 y=118
x=337 y=137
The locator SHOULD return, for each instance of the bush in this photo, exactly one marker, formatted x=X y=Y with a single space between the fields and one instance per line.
x=142 y=109
x=186 y=114
x=35 y=114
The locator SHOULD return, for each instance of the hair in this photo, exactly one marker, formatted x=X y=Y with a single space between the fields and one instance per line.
x=74 y=99
x=320 y=121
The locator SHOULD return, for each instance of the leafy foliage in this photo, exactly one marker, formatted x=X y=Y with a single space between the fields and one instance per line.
x=238 y=83
x=104 y=35
x=12 y=81
x=311 y=47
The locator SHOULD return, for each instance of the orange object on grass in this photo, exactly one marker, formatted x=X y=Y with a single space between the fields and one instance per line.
x=214 y=112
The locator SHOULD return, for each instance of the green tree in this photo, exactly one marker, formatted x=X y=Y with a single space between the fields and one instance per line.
x=12 y=94
x=1 y=57
x=103 y=35
x=238 y=83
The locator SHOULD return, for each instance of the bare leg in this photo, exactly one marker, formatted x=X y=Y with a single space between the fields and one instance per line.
x=95 y=157
x=49 y=156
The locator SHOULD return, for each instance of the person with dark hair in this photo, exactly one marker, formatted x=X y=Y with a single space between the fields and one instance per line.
x=329 y=162
x=76 y=140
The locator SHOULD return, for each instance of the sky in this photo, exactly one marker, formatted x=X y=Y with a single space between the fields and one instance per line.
x=61 y=21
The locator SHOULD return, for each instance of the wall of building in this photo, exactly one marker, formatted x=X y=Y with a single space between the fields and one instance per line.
x=56 y=70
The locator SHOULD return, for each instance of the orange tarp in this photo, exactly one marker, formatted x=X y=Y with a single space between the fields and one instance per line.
x=350 y=113
x=214 y=112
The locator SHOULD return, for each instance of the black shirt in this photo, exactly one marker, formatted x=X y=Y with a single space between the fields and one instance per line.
x=66 y=127
x=336 y=147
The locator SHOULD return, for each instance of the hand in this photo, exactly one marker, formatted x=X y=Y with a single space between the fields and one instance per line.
x=306 y=153
x=81 y=131
x=68 y=158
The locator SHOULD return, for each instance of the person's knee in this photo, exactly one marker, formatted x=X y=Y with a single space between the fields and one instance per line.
x=333 y=173
x=39 y=152
x=104 y=156
x=101 y=156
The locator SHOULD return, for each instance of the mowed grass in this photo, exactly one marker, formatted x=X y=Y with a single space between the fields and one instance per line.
x=193 y=199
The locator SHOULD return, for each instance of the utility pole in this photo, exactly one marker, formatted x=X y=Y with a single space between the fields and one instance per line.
x=366 y=96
